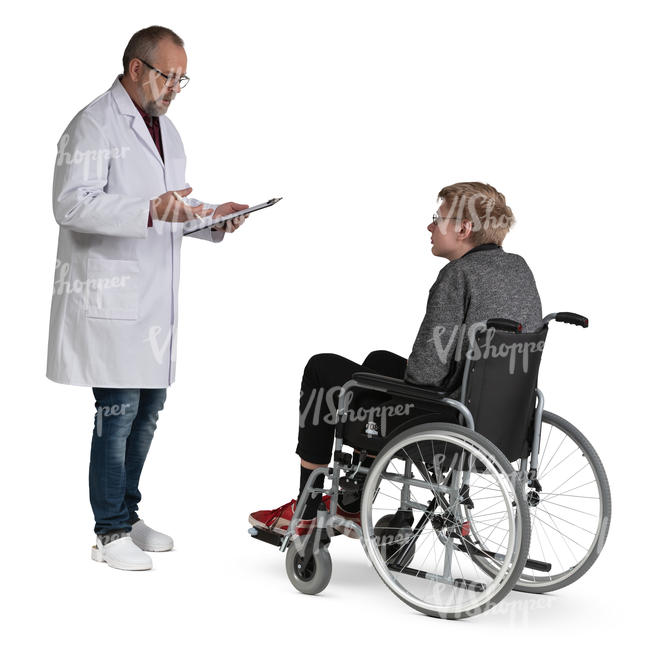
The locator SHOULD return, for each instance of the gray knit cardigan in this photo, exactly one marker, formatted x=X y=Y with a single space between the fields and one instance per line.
x=484 y=283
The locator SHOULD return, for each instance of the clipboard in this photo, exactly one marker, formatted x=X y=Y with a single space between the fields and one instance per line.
x=228 y=217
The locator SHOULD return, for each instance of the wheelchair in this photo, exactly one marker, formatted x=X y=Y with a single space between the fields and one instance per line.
x=455 y=514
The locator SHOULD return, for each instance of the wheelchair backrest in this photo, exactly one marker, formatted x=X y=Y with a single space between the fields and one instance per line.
x=499 y=381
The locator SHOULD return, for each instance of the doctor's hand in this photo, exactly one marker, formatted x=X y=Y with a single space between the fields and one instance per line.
x=167 y=207
x=224 y=210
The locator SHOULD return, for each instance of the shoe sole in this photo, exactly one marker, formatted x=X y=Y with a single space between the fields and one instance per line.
x=281 y=525
x=151 y=549
x=98 y=556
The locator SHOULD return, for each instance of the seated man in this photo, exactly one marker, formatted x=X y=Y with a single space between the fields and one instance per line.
x=481 y=281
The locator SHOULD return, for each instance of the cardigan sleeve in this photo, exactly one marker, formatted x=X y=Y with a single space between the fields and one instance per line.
x=433 y=360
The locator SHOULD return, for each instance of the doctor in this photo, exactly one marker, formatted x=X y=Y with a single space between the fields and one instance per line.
x=115 y=301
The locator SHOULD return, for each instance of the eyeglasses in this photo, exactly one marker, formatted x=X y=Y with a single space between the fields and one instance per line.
x=436 y=218
x=170 y=81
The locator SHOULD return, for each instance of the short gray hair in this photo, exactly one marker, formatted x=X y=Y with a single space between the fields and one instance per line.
x=144 y=42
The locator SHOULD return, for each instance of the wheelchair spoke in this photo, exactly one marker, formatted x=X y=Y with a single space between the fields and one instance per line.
x=572 y=475
x=545 y=527
x=431 y=558
x=492 y=527
x=570 y=523
x=570 y=513
x=541 y=528
x=543 y=454
x=390 y=496
x=566 y=492
x=541 y=467
x=559 y=505
x=424 y=465
x=548 y=471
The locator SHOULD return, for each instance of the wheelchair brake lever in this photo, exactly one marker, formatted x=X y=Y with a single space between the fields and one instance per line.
x=362 y=457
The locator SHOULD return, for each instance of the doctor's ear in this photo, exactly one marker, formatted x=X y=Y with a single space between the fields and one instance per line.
x=136 y=67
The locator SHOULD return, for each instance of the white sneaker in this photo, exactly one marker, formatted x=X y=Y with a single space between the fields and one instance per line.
x=149 y=539
x=121 y=553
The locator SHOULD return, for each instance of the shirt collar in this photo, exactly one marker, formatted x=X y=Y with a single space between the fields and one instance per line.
x=149 y=120
x=481 y=247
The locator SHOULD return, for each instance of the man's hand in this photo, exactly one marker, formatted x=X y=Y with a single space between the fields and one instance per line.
x=228 y=208
x=167 y=207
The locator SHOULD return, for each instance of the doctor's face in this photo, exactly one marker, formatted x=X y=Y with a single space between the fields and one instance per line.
x=155 y=92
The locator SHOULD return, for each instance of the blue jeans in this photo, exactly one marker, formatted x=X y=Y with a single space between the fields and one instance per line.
x=125 y=421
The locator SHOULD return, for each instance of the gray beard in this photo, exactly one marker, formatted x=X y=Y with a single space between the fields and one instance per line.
x=150 y=107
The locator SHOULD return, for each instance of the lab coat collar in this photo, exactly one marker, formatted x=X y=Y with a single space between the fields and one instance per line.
x=122 y=98
x=126 y=107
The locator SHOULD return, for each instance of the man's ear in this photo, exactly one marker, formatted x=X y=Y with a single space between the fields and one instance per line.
x=465 y=229
x=135 y=69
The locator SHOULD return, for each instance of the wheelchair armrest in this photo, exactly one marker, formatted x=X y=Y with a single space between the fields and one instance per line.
x=505 y=324
x=397 y=387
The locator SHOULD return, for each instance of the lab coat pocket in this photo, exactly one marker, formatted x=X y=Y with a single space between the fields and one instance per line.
x=112 y=288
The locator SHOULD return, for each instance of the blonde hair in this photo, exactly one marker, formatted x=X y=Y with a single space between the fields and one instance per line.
x=481 y=204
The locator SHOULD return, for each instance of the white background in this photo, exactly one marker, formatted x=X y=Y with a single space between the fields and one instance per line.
x=357 y=113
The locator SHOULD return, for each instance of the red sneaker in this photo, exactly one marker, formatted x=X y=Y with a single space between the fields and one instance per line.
x=280 y=518
x=352 y=516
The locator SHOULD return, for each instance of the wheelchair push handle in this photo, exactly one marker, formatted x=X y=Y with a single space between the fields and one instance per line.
x=571 y=318
x=567 y=317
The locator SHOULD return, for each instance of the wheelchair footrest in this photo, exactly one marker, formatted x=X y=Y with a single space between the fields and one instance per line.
x=469 y=584
x=264 y=535
x=351 y=485
x=538 y=565
x=457 y=582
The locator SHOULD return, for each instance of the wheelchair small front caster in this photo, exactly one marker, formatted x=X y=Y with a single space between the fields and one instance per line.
x=311 y=576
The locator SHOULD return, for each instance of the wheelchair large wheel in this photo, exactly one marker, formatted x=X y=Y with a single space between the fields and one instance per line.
x=418 y=486
x=570 y=515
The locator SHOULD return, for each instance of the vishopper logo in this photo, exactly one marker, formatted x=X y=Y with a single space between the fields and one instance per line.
x=159 y=346
x=330 y=396
x=61 y=285
x=93 y=161
x=107 y=411
x=439 y=463
x=524 y=348
x=174 y=211
x=445 y=342
x=516 y=607
x=476 y=209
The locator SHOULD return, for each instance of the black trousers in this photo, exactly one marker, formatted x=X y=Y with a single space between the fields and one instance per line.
x=322 y=379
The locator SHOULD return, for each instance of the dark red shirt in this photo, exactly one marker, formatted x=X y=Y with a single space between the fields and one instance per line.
x=153 y=124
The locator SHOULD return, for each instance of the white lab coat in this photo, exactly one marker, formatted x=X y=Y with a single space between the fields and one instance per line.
x=114 y=306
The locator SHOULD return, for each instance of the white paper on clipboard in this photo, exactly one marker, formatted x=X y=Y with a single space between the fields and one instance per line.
x=207 y=222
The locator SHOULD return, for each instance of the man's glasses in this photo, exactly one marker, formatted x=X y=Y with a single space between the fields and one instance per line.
x=436 y=218
x=170 y=81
